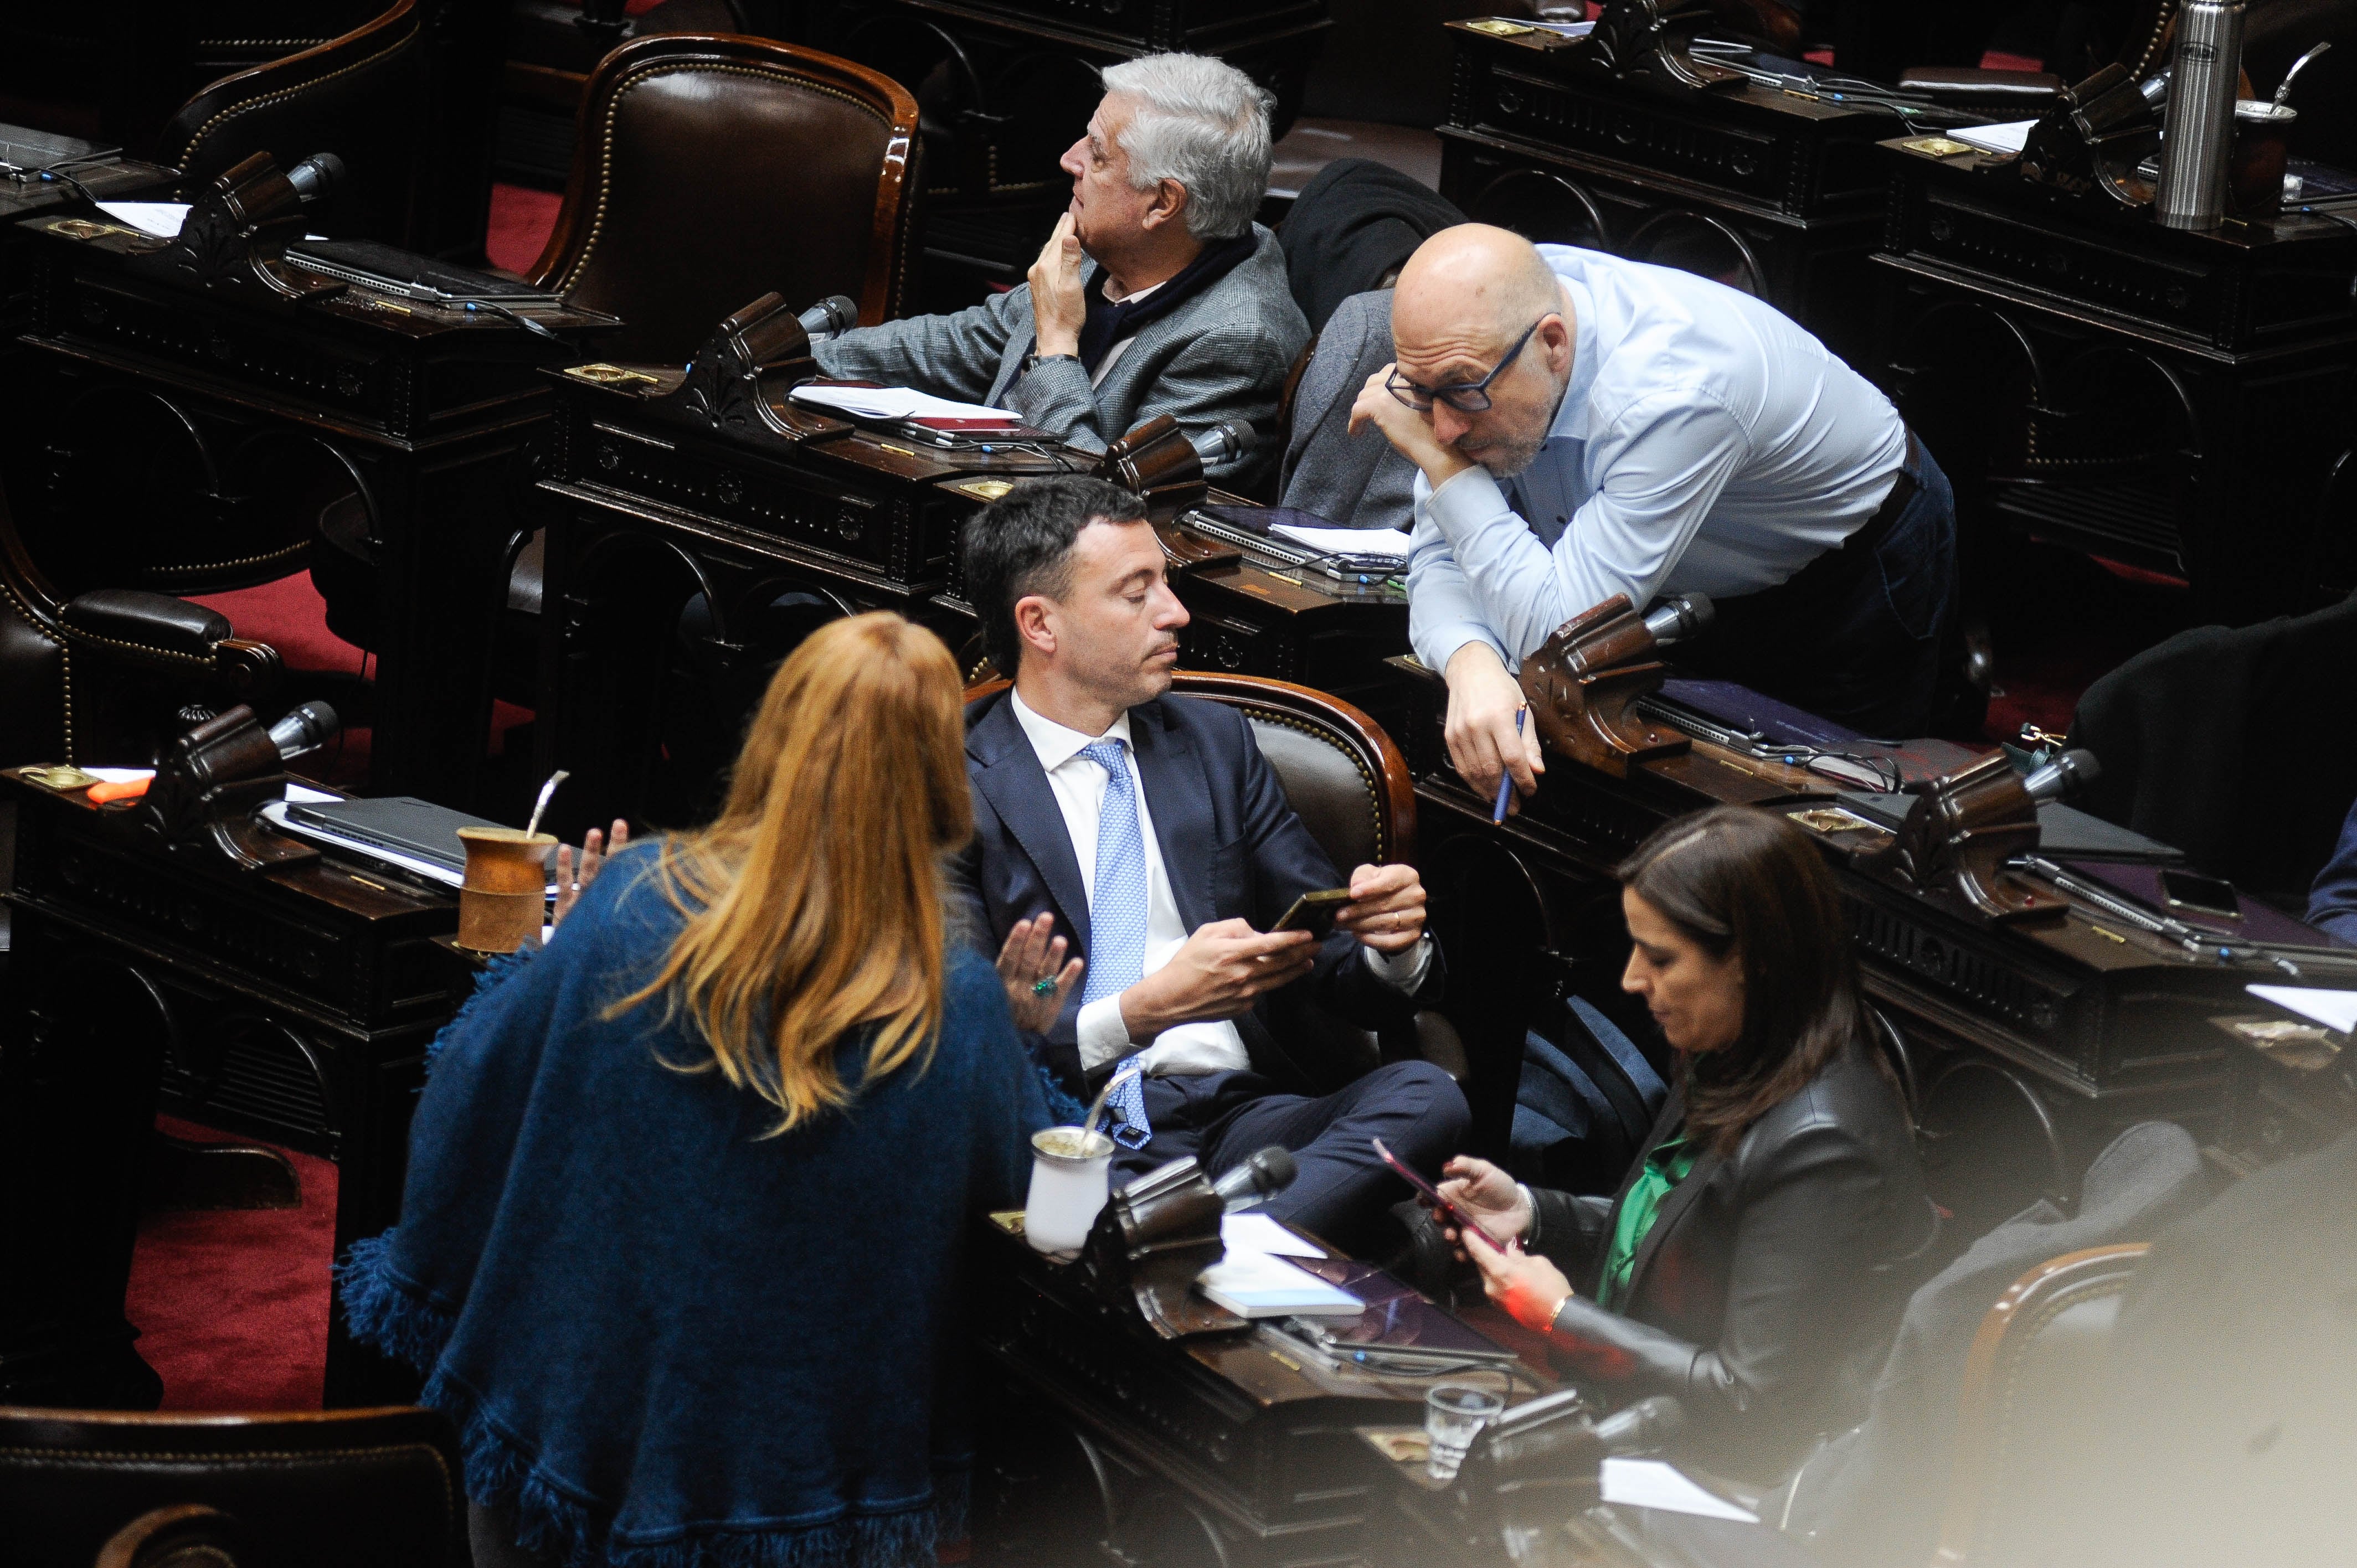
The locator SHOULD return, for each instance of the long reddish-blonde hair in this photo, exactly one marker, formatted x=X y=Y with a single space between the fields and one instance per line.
x=814 y=899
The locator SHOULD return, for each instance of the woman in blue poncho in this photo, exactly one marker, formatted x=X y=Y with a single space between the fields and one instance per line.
x=686 y=1190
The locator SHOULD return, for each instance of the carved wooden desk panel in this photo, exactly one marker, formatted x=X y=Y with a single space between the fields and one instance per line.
x=761 y=536
x=2180 y=401
x=197 y=439
x=1772 y=193
x=293 y=1004
x=2033 y=1044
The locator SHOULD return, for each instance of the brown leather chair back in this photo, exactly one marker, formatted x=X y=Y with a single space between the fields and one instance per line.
x=361 y=1488
x=238 y=35
x=363 y=97
x=97 y=679
x=709 y=170
x=1342 y=774
x=2032 y=1404
x=186 y=1535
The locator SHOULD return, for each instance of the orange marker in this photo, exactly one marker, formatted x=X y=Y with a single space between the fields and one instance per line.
x=107 y=790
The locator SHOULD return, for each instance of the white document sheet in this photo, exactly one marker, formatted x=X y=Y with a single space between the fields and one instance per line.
x=1259 y=1233
x=2006 y=138
x=894 y=403
x=161 y=218
x=2334 y=1009
x=1389 y=541
x=1658 y=1484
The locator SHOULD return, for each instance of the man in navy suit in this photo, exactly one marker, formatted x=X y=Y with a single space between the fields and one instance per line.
x=1145 y=834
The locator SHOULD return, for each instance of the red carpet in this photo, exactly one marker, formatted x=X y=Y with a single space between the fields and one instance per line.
x=233 y=1307
x=522 y=219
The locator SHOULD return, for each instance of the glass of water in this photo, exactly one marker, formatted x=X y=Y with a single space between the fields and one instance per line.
x=1454 y=1415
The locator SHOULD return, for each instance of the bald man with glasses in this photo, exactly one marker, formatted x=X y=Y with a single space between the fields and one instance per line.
x=1584 y=426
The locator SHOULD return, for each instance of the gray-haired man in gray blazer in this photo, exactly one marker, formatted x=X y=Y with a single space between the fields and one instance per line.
x=1157 y=293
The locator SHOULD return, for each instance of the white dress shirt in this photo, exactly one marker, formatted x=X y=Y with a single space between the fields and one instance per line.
x=1706 y=444
x=1079 y=784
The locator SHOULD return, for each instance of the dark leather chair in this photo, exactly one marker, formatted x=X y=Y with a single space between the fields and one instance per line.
x=98 y=678
x=2032 y=1404
x=188 y=1535
x=362 y=96
x=360 y=1489
x=775 y=167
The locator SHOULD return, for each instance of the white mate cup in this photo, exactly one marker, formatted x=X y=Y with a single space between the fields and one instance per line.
x=1068 y=1180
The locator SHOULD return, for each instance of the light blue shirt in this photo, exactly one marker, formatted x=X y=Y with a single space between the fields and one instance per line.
x=1705 y=445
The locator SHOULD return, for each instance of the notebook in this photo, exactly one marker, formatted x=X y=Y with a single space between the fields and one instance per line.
x=401 y=823
x=392 y=270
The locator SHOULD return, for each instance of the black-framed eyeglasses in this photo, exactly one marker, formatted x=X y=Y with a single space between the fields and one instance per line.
x=1465 y=397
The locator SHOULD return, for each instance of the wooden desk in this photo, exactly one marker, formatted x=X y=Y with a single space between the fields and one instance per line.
x=2029 y=1046
x=195 y=440
x=777 y=533
x=2178 y=401
x=1220 y=1449
x=293 y=1004
x=1775 y=194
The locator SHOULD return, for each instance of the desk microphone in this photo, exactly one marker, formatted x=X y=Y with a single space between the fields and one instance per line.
x=837 y=313
x=1645 y=1427
x=305 y=730
x=1552 y=1436
x=1675 y=619
x=1263 y=1175
x=1224 y=443
x=2065 y=776
x=316 y=176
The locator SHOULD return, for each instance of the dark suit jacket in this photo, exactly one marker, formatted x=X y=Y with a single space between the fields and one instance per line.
x=1232 y=846
x=1766 y=1292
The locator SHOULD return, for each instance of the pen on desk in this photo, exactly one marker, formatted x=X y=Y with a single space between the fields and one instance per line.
x=1506 y=778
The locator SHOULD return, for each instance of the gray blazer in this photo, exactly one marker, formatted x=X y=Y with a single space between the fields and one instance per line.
x=1222 y=355
x=1355 y=481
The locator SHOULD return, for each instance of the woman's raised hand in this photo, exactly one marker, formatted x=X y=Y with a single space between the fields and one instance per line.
x=1487 y=1194
x=571 y=880
x=1032 y=965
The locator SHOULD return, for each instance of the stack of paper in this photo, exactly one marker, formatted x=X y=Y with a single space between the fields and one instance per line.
x=2334 y=1009
x=2006 y=138
x=1254 y=1284
x=161 y=218
x=1259 y=1233
x=1389 y=542
x=893 y=403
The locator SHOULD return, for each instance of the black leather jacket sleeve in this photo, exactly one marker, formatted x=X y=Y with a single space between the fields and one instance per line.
x=1807 y=1219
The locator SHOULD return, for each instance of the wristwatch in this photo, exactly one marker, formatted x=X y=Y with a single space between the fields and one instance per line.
x=1033 y=361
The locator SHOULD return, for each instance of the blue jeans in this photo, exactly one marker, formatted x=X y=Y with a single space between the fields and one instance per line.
x=1859 y=634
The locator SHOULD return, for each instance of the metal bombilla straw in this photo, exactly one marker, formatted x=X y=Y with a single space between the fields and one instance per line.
x=540 y=806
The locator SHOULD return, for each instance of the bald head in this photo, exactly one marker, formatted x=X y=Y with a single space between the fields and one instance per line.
x=1472 y=287
x=1479 y=324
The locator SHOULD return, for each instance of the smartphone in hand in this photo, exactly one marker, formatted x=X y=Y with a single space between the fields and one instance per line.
x=1449 y=1213
x=1314 y=912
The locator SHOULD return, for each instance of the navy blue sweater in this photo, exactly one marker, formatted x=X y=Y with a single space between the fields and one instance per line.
x=667 y=1339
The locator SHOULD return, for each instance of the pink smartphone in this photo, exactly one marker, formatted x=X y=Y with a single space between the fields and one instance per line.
x=1448 y=1211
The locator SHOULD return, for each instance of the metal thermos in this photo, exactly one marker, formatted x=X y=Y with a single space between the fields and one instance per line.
x=2198 y=134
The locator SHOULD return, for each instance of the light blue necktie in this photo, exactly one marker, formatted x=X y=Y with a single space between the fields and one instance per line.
x=1117 y=919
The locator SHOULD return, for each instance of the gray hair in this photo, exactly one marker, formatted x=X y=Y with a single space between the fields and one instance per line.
x=1204 y=123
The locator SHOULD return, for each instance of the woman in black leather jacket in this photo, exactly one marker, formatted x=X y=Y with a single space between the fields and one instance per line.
x=1753 y=1261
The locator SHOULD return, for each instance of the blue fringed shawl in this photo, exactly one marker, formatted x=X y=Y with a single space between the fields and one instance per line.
x=667 y=1340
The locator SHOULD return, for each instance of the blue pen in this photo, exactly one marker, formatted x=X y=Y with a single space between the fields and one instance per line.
x=1506 y=779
